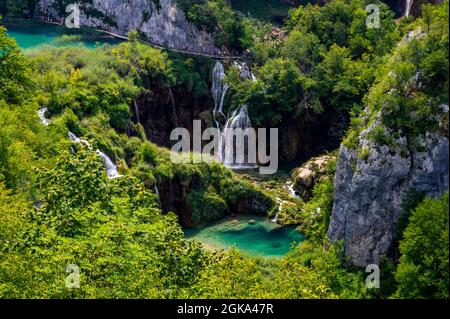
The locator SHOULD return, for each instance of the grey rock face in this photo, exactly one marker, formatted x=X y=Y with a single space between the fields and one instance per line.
x=369 y=192
x=166 y=26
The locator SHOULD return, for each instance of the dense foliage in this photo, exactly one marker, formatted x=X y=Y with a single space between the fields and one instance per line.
x=423 y=269
x=411 y=86
x=217 y=17
x=323 y=60
x=57 y=207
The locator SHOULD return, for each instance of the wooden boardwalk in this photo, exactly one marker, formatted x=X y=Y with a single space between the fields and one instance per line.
x=158 y=46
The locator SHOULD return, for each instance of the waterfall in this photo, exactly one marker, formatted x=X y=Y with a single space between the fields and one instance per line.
x=408 y=6
x=292 y=191
x=280 y=207
x=219 y=110
x=76 y=139
x=158 y=195
x=244 y=71
x=136 y=111
x=238 y=120
x=41 y=114
x=174 y=116
x=73 y=137
x=111 y=169
x=218 y=90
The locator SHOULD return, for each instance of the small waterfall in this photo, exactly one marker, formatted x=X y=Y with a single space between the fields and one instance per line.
x=73 y=137
x=76 y=139
x=111 y=169
x=158 y=195
x=244 y=71
x=280 y=207
x=219 y=110
x=218 y=90
x=408 y=6
x=136 y=112
x=292 y=191
x=41 y=114
x=174 y=116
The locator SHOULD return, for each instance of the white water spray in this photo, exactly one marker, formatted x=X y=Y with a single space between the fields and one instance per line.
x=41 y=114
x=292 y=191
x=238 y=120
x=111 y=169
x=244 y=71
x=408 y=6
x=76 y=139
x=218 y=91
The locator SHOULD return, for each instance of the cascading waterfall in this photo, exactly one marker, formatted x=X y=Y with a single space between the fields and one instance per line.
x=408 y=6
x=76 y=139
x=239 y=118
x=41 y=114
x=111 y=169
x=219 y=110
x=244 y=71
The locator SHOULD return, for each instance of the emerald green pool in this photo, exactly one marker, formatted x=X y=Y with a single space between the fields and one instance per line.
x=254 y=236
x=33 y=35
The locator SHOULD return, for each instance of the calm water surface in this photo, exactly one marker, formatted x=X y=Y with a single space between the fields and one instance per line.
x=256 y=236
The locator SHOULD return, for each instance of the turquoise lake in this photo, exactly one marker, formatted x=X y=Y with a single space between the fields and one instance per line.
x=33 y=35
x=255 y=236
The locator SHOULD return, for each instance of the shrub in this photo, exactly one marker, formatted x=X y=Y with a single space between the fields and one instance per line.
x=423 y=268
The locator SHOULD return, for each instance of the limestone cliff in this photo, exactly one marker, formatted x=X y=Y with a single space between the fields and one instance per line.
x=369 y=192
x=164 y=25
x=400 y=144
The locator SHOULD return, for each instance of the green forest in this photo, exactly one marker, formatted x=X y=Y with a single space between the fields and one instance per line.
x=312 y=63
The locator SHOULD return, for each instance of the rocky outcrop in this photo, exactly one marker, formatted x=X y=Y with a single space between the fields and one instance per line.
x=379 y=167
x=306 y=176
x=369 y=190
x=164 y=25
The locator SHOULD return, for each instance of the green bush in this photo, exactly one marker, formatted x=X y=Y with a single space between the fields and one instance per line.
x=423 y=268
x=206 y=206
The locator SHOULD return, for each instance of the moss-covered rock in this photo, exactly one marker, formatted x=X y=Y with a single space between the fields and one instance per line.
x=313 y=171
